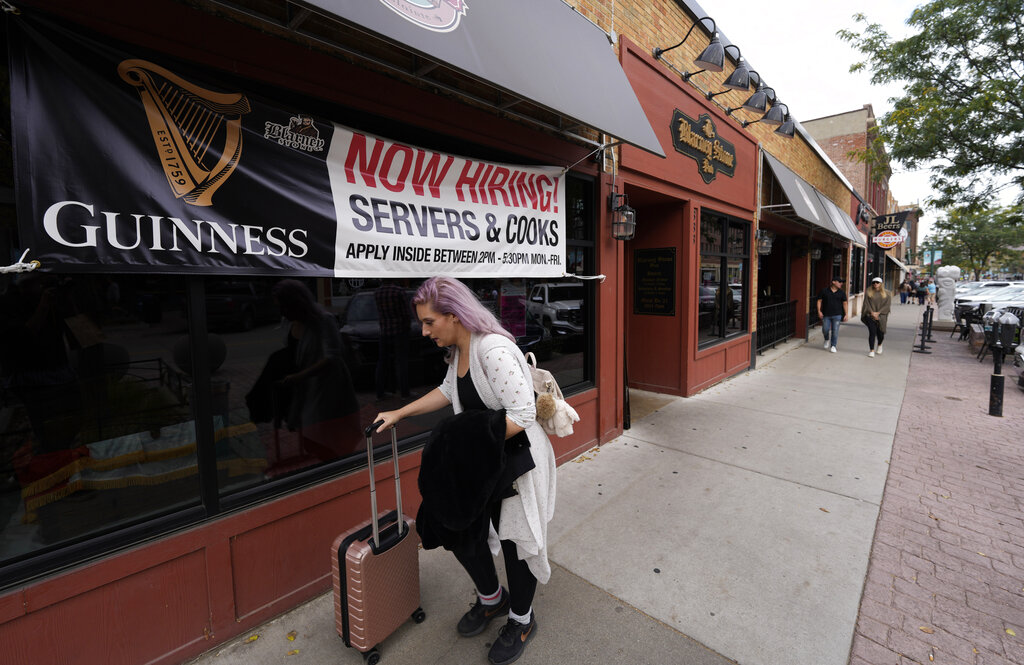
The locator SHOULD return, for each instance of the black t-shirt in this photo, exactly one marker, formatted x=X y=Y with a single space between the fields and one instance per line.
x=832 y=302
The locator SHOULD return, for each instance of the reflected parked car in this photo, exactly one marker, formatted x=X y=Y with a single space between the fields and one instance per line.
x=535 y=338
x=360 y=338
x=240 y=305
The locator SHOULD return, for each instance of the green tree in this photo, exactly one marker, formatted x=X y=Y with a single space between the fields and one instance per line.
x=962 y=112
x=971 y=238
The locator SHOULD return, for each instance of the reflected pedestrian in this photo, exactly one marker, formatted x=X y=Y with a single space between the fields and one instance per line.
x=322 y=405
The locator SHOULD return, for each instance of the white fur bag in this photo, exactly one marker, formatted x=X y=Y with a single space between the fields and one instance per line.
x=553 y=413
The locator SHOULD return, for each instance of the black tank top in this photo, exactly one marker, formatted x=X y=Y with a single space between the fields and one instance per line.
x=518 y=459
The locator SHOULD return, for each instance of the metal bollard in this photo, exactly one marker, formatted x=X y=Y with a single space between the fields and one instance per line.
x=930 y=314
x=924 y=331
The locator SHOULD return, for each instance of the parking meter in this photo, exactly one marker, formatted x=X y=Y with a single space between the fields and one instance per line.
x=1004 y=329
x=1008 y=323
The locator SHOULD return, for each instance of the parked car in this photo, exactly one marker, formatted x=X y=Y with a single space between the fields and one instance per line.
x=558 y=306
x=360 y=338
x=1003 y=294
x=241 y=305
x=535 y=338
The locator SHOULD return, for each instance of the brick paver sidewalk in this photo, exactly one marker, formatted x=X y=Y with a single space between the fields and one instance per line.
x=945 y=582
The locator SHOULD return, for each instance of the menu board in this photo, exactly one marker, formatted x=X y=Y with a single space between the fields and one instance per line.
x=654 y=281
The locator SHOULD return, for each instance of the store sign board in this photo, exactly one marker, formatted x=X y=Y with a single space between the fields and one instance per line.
x=887 y=239
x=699 y=139
x=891 y=222
x=165 y=169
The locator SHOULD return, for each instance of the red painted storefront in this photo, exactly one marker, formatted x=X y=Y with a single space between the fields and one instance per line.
x=182 y=593
x=669 y=195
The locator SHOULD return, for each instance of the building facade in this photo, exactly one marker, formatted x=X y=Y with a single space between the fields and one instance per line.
x=145 y=442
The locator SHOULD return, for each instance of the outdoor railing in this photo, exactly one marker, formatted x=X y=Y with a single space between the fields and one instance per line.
x=775 y=323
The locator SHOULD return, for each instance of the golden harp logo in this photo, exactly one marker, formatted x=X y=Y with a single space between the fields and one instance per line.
x=197 y=132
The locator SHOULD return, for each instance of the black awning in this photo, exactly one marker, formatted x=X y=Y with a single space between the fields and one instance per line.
x=804 y=199
x=540 y=50
x=841 y=220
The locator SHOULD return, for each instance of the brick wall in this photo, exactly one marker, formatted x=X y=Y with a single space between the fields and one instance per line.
x=662 y=23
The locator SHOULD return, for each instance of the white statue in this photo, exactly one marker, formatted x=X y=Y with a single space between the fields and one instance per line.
x=945 y=291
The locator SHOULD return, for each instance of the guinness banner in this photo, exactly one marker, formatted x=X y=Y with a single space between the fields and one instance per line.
x=127 y=164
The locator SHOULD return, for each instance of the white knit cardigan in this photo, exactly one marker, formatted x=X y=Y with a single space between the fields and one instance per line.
x=501 y=377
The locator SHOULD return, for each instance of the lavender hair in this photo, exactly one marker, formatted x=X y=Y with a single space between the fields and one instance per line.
x=450 y=296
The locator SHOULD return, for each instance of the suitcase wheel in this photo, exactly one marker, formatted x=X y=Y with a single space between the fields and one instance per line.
x=371 y=657
x=419 y=616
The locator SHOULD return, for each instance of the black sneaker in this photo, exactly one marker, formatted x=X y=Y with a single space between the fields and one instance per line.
x=512 y=640
x=479 y=616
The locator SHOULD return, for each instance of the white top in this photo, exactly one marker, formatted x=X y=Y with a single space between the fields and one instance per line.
x=501 y=377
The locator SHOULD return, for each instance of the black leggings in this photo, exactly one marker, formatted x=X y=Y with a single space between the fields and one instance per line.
x=874 y=331
x=480 y=565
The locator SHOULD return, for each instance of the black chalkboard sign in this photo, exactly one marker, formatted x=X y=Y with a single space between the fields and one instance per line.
x=654 y=281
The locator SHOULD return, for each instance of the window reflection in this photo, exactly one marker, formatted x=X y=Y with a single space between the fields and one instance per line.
x=96 y=426
x=375 y=358
x=723 y=281
x=99 y=410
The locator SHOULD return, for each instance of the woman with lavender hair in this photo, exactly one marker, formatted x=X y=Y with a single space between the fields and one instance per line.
x=488 y=371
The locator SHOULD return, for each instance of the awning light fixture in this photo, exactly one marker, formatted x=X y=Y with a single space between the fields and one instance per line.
x=711 y=59
x=623 y=217
x=763 y=100
x=738 y=80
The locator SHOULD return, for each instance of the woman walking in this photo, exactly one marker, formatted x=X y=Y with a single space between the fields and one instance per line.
x=877 y=302
x=904 y=290
x=488 y=371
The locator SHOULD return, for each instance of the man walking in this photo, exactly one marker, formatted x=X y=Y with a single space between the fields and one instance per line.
x=832 y=310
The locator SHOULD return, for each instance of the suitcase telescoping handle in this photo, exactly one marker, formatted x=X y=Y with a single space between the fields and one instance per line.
x=373 y=486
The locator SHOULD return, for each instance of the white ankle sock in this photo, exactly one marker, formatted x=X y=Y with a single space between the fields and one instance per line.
x=492 y=599
x=524 y=619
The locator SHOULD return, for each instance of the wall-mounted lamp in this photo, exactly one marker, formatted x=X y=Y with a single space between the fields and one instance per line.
x=776 y=116
x=711 y=59
x=623 y=217
x=815 y=253
x=738 y=80
x=765 y=238
x=837 y=259
x=788 y=128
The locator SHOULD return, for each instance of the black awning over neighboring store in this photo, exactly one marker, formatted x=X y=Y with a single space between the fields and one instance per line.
x=806 y=204
x=841 y=220
x=540 y=50
x=902 y=266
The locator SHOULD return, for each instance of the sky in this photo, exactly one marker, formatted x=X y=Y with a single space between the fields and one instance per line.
x=795 y=47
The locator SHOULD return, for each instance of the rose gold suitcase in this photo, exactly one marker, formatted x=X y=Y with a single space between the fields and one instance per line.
x=376 y=571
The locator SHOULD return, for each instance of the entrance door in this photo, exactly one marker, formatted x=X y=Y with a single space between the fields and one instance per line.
x=654 y=301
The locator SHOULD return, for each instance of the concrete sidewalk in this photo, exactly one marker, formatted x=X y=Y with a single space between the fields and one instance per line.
x=734 y=526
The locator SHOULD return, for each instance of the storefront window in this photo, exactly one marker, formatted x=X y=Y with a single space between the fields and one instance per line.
x=856 y=284
x=98 y=408
x=722 y=281
x=97 y=427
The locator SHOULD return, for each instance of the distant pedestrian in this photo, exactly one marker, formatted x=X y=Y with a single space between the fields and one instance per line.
x=904 y=291
x=877 y=302
x=922 y=291
x=833 y=309
x=931 y=292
